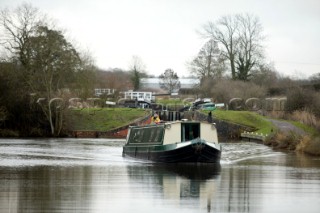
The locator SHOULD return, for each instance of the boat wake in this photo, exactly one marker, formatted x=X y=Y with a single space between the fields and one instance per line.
x=240 y=151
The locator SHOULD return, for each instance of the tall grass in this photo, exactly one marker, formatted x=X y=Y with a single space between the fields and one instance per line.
x=303 y=119
x=306 y=118
x=284 y=140
x=309 y=144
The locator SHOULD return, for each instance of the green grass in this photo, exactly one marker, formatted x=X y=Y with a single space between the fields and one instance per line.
x=101 y=119
x=170 y=101
x=246 y=118
x=308 y=129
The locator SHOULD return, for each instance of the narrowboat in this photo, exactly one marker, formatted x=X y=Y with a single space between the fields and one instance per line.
x=174 y=142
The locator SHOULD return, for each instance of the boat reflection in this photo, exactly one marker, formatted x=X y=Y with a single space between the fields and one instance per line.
x=179 y=181
x=186 y=170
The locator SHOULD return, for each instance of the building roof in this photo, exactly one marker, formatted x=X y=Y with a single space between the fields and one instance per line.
x=155 y=82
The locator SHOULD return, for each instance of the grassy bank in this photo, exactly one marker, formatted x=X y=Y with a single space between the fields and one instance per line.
x=308 y=129
x=101 y=119
x=308 y=143
x=246 y=118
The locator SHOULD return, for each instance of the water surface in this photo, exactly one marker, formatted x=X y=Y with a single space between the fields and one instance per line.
x=90 y=175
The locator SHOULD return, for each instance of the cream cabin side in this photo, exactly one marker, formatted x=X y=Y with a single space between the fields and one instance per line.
x=172 y=133
x=209 y=133
x=182 y=131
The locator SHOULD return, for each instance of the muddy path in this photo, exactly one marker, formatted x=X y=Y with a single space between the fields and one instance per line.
x=285 y=126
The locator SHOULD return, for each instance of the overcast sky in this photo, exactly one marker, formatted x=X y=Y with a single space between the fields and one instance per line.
x=163 y=33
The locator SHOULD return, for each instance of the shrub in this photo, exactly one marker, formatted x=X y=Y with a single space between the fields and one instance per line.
x=284 y=140
x=299 y=99
x=304 y=117
x=8 y=133
x=224 y=90
x=309 y=145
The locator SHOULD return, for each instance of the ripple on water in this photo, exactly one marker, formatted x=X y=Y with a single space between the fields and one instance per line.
x=239 y=151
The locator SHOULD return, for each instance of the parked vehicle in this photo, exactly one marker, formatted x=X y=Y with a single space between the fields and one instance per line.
x=208 y=106
x=137 y=104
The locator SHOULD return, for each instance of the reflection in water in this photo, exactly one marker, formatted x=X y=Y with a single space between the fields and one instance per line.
x=41 y=189
x=180 y=182
x=270 y=184
x=96 y=189
x=91 y=176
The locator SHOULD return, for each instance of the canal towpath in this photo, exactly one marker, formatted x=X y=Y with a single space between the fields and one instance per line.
x=285 y=126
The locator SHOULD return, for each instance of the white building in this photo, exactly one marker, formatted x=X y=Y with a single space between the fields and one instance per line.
x=140 y=96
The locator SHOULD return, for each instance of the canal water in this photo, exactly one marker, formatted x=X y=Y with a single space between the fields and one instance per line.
x=90 y=175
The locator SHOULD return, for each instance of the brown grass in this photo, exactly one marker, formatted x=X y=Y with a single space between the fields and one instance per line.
x=309 y=145
x=305 y=117
x=301 y=116
x=276 y=114
x=305 y=140
x=282 y=140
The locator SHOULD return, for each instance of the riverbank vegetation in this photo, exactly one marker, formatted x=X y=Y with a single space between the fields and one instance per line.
x=246 y=118
x=304 y=119
x=306 y=143
x=309 y=144
x=102 y=119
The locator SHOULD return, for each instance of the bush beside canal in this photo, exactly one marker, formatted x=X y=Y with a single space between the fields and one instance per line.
x=284 y=140
x=309 y=144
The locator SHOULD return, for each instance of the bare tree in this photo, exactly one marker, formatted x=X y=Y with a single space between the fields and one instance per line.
x=169 y=81
x=265 y=75
x=240 y=38
x=315 y=78
x=138 y=70
x=85 y=76
x=224 y=31
x=116 y=78
x=209 y=62
x=17 y=27
x=250 y=50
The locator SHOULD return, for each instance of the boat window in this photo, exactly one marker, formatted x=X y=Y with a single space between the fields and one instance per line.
x=135 y=136
x=155 y=135
x=190 y=131
x=146 y=135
